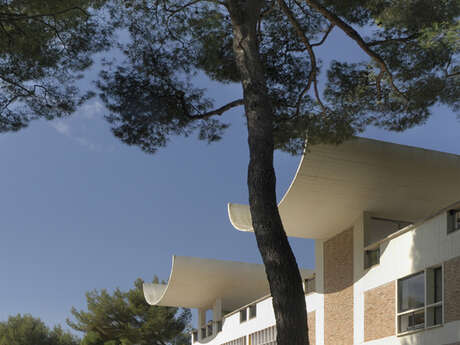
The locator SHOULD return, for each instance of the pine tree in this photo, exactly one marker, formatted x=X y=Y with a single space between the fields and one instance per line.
x=125 y=318
x=269 y=47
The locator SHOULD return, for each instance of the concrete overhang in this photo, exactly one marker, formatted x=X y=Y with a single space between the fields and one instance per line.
x=335 y=184
x=197 y=283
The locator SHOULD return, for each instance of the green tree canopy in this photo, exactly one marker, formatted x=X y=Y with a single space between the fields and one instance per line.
x=27 y=330
x=269 y=47
x=125 y=318
x=43 y=47
x=412 y=49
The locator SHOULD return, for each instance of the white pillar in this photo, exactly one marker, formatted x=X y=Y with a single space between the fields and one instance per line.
x=216 y=314
x=217 y=310
x=201 y=317
x=201 y=321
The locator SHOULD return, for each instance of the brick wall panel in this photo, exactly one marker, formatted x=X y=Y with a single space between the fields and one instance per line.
x=452 y=289
x=379 y=312
x=338 y=288
x=311 y=320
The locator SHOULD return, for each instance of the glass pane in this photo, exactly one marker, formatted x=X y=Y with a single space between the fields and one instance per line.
x=371 y=257
x=411 y=321
x=434 y=316
x=243 y=315
x=437 y=284
x=252 y=311
x=411 y=292
x=309 y=285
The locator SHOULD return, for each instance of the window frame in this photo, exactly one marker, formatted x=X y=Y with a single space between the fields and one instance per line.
x=245 y=312
x=194 y=336
x=452 y=225
x=367 y=264
x=309 y=285
x=209 y=329
x=425 y=307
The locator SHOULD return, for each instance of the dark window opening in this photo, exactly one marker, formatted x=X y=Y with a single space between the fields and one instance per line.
x=371 y=257
x=310 y=285
x=453 y=221
x=243 y=315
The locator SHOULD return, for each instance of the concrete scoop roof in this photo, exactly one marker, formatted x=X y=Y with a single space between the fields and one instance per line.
x=335 y=184
x=197 y=283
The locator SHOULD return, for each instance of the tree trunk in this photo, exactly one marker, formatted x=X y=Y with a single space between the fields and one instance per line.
x=280 y=264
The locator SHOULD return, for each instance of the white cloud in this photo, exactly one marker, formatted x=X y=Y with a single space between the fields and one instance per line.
x=87 y=112
x=61 y=127
x=91 y=110
x=86 y=143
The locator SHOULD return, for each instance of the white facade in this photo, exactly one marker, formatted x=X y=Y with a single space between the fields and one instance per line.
x=360 y=281
x=423 y=246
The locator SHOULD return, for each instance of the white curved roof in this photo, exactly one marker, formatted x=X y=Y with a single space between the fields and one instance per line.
x=197 y=283
x=335 y=184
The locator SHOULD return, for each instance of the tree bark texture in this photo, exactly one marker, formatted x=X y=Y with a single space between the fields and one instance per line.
x=280 y=264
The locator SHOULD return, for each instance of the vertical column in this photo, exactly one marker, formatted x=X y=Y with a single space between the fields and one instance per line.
x=216 y=314
x=201 y=322
x=319 y=272
x=319 y=277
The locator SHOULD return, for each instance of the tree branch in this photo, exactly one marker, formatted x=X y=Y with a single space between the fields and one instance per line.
x=302 y=94
x=218 y=111
x=329 y=29
x=19 y=16
x=355 y=36
x=181 y=8
x=452 y=74
x=390 y=40
x=309 y=48
x=12 y=82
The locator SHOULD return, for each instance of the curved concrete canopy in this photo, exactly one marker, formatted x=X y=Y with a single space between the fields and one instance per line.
x=335 y=184
x=197 y=283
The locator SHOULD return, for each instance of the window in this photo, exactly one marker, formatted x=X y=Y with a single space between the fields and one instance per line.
x=265 y=336
x=238 y=341
x=310 y=285
x=434 y=297
x=243 y=315
x=371 y=257
x=209 y=328
x=252 y=311
x=219 y=326
x=195 y=336
x=417 y=308
x=453 y=221
x=411 y=302
x=203 y=333
x=377 y=228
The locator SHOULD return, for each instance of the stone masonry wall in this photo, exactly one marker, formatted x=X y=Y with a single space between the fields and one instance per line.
x=311 y=321
x=379 y=312
x=452 y=290
x=338 y=289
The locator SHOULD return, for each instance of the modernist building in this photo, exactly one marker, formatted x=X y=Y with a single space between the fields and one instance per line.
x=386 y=222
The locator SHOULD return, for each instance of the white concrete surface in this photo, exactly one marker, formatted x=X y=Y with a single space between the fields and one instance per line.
x=335 y=184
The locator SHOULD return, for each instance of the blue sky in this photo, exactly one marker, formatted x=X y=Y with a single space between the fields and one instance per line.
x=81 y=211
